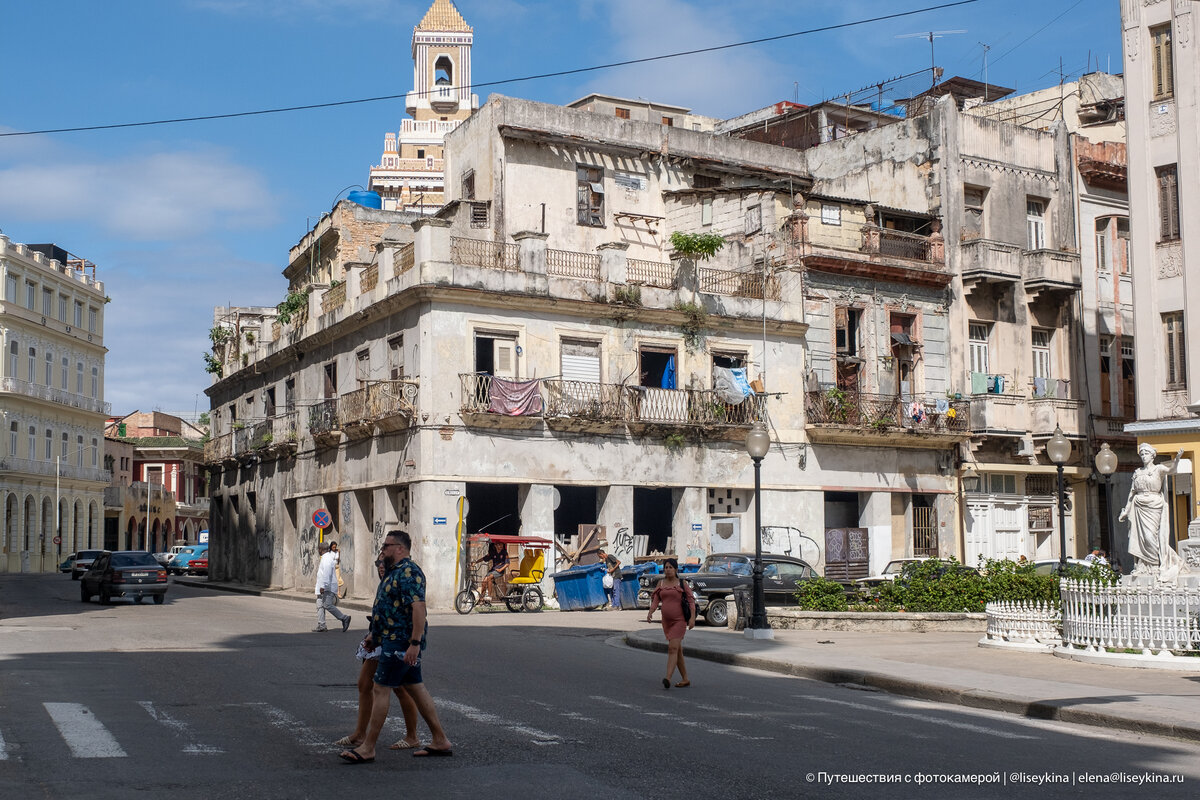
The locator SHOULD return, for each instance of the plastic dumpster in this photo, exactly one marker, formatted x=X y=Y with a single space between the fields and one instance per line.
x=630 y=585
x=580 y=588
x=686 y=568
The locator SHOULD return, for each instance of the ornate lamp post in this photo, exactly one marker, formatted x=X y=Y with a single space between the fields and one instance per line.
x=1106 y=465
x=1059 y=450
x=758 y=442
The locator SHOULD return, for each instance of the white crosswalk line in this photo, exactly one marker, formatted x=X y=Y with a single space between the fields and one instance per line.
x=966 y=726
x=286 y=722
x=181 y=728
x=479 y=715
x=84 y=734
x=3 y=749
x=689 y=723
x=575 y=716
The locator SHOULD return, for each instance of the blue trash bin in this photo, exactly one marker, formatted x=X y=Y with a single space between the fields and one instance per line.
x=685 y=568
x=630 y=585
x=580 y=588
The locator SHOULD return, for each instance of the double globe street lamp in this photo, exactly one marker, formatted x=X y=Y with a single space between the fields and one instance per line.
x=758 y=442
x=1058 y=448
x=1106 y=465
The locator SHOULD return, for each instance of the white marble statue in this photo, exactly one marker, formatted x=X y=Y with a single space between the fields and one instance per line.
x=1149 y=522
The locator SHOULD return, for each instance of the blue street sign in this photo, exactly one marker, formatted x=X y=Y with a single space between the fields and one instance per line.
x=439 y=520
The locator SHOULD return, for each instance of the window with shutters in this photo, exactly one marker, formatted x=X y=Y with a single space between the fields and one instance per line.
x=79 y=451
x=1176 y=370
x=1123 y=254
x=1103 y=251
x=78 y=377
x=590 y=195
x=331 y=384
x=64 y=446
x=845 y=321
x=1128 y=398
x=49 y=368
x=32 y=443
x=977 y=337
x=496 y=354
x=49 y=445
x=1168 y=202
x=362 y=367
x=753 y=219
x=95 y=382
x=10 y=287
x=66 y=368
x=13 y=435
x=621 y=113
x=1162 y=62
x=92 y=316
x=30 y=294
x=580 y=360
x=289 y=395
x=96 y=453
x=395 y=347
x=63 y=302
x=78 y=314
x=33 y=365
x=47 y=302
x=14 y=358
x=1035 y=223
x=1106 y=343
x=831 y=214
x=479 y=215
x=668 y=121
x=1041 y=352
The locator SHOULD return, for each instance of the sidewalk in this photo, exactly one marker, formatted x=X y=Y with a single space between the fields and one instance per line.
x=943 y=667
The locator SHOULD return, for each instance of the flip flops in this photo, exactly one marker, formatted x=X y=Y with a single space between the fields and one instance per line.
x=403 y=745
x=431 y=752
x=346 y=741
x=353 y=757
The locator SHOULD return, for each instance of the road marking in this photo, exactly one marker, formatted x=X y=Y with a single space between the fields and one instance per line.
x=180 y=727
x=575 y=716
x=966 y=726
x=84 y=734
x=479 y=715
x=286 y=722
x=689 y=723
x=3 y=749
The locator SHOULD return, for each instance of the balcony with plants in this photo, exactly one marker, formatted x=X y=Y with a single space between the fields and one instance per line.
x=848 y=416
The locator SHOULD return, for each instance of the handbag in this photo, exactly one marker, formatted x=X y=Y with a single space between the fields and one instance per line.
x=683 y=597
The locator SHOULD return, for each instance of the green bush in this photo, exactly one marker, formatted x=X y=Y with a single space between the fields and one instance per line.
x=820 y=594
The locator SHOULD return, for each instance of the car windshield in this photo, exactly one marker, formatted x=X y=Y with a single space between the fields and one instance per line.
x=894 y=567
x=87 y=554
x=134 y=560
x=731 y=565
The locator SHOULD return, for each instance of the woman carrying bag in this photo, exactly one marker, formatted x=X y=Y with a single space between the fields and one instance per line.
x=678 y=617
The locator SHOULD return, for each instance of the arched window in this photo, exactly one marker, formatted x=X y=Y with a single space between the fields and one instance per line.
x=79 y=377
x=33 y=365
x=49 y=445
x=49 y=368
x=66 y=366
x=79 y=450
x=95 y=382
x=443 y=72
x=14 y=348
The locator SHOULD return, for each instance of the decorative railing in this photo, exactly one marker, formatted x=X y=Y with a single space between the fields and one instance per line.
x=476 y=392
x=242 y=439
x=482 y=253
x=335 y=297
x=52 y=468
x=285 y=428
x=404 y=259
x=650 y=273
x=903 y=245
x=392 y=398
x=1023 y=622
x=738 y=284
x=586 y=400
x=352 y=407
x=880 y=413
x=60 y=396
x=218 y=448
x=370 y=279
x=570 y=264
x=323 y=417
x=1135 y=617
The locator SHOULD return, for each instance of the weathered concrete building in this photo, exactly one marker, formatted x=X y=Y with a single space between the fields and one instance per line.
x=51 y=406
x=1162 y=71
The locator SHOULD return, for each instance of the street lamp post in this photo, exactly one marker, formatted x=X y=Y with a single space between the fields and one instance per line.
x=1059 y=450
x=1106 y=465
x=758 y=442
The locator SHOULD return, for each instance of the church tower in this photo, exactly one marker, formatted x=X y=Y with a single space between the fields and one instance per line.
x=410 y=174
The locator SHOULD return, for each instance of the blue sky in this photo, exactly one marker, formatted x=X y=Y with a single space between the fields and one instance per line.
x=181 y=218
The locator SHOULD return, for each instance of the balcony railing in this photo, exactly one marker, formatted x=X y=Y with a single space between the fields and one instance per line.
x=879 y=413
x=651 y=273
x=586 y=400
x=334 y=298
x=52 y=468
x=392 y=403
x=738 y=284
x=218 y=448
x=899 y=244
x=482 y=253
x=323 y=418
x=570 y=264
x=404 y=259
x=370 y=279
x=53 y=395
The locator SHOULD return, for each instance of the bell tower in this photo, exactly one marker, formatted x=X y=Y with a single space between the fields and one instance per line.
x=410 y=175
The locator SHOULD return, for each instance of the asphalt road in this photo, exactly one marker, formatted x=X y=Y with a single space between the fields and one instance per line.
x=217 y=695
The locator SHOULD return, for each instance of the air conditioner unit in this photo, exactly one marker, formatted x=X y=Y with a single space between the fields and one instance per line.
x=1024 y=447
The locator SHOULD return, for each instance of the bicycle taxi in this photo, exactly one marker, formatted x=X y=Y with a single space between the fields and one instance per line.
x=520 y=586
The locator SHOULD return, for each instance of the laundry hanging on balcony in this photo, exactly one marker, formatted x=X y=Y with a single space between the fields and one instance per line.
x=514 y=398
x=731 y=384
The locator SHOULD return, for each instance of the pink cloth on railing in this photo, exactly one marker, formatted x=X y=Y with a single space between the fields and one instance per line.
x=514 y=398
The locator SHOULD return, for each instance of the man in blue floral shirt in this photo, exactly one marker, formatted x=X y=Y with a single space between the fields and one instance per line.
x=399 y=612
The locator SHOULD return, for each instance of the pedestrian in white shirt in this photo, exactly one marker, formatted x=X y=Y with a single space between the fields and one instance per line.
x=327 y=589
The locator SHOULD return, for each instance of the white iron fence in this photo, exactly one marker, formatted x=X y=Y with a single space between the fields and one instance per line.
x=1145 y=618
x=1023 y=621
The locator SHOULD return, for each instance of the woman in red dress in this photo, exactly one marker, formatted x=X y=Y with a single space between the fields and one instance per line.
x=670 y=596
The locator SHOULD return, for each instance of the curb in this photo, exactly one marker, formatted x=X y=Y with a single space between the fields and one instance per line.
x=924 y=690
x=194 y=583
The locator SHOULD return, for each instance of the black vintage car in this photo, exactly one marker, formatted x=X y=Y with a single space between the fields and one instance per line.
x=124 y=573
x=721 y=572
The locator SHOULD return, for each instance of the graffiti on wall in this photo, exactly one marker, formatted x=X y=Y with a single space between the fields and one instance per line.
x=266 y=544
x=346 y=546
x=308 y=550
x=621 y=545
x=377 y=542
x=694 y=546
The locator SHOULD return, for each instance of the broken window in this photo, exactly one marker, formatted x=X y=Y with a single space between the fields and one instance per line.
x=330 y=387
x=396 y=358
x=590 y=195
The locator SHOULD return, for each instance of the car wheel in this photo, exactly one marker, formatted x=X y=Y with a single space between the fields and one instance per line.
x=159 y=599
x=138 y=599
x=464 y=601
x=717 y=613
x=532 y=599
x=83 y=594
x=104 y=598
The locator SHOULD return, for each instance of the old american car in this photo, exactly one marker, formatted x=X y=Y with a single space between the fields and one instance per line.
x=124 y=573
x=721 y=572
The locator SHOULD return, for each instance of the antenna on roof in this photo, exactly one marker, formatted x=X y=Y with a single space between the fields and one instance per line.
x=930 y=35
x=985 y=47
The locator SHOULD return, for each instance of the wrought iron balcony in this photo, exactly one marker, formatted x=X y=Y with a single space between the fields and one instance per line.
x=218 y=448
x=323 y=422
x=881 y=418
x=60 y=396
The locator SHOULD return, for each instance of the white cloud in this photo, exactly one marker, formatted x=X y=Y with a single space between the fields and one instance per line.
x=154 y=196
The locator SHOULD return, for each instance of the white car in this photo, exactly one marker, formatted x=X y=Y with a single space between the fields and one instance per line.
x=889 y=574
x=165 y=558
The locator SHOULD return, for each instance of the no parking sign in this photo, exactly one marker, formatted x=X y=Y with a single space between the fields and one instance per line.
x=321 y=518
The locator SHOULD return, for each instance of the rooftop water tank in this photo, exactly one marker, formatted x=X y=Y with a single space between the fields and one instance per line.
x=366 y=199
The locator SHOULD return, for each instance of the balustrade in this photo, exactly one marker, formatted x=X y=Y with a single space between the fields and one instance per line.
x=570 y=264
x=651 y=273
x=482 y=253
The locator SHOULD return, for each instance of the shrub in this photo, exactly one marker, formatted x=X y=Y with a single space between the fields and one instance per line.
x=936 y=585
x=820 y=594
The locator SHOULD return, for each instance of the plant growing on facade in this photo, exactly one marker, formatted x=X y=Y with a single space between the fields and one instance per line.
x=266 y=439
x=249 y=337
x=291 y=305
x=674 y=442
x=219 y=336
x=212 y=364
x=837 y=404
x=238 y=426
x=692 y=326
x=628 y=295
x=697 y=246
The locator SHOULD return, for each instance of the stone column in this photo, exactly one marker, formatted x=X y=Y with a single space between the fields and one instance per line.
x=536 y=504
x=616 y=515
x=532 y=255
x=937 y=243
x=614 y=262
x=690 y=511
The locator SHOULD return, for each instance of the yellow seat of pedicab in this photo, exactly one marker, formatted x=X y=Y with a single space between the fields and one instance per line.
x=533 y=567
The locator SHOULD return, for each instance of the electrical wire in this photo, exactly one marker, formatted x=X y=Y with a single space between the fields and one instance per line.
x=542 y=76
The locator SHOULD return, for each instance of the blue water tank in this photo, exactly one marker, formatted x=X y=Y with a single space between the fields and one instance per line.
x=366 y=199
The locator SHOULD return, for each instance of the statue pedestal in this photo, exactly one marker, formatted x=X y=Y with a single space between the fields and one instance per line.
x=1189 y=548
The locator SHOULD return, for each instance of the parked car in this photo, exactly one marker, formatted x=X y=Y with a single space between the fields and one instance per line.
x=198 y=565
x=165 y=558
x=889 y=574
x=721 y=572
x=124 y=573
x=68 y=564
x=179 y=564
x=83 y=561
x=1050 y=566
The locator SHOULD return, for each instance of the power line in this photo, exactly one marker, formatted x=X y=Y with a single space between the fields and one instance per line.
x=648 y=59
